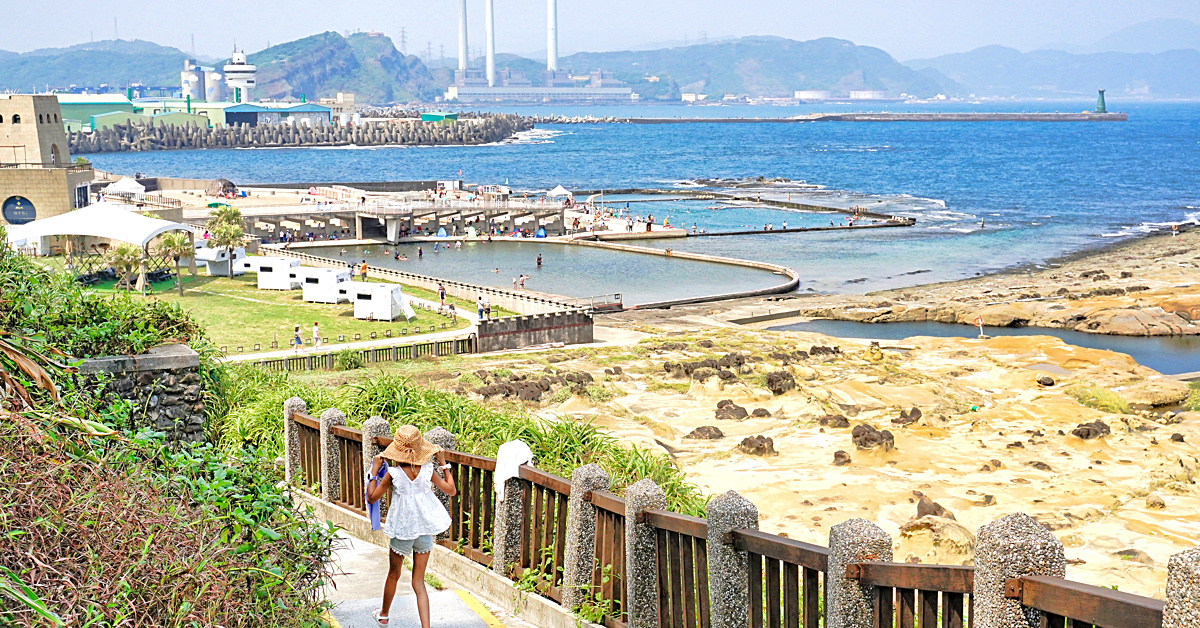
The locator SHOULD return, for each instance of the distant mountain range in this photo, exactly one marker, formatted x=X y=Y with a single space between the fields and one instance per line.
x=1146 y=65
x=1006 y=72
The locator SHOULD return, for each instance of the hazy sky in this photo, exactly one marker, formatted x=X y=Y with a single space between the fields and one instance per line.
x=905 y=28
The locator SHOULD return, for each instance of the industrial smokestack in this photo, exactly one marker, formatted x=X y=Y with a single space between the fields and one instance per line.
x=462 y=34
x=490 y=25
x=551 y=35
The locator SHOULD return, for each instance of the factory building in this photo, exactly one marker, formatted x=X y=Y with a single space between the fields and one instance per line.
x=488 y=85
x=253 y=114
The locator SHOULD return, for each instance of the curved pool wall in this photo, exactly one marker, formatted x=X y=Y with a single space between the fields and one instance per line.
x=578 y=269
x=1171 y=355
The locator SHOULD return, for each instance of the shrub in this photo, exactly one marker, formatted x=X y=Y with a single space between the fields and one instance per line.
x=348 y=360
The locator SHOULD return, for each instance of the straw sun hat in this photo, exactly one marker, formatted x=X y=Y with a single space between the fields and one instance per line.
x=410 y=447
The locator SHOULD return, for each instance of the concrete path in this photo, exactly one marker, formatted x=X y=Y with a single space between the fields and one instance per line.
x=359 y=589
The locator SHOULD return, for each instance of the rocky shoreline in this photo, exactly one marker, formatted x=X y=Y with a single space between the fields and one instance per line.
x=1146 y=287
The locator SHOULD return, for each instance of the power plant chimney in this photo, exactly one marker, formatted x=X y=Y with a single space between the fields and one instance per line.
x=490 y=25
x=462 y=34
x=552 y=35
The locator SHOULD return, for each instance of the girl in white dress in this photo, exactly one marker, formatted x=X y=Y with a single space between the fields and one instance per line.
x=415 y=514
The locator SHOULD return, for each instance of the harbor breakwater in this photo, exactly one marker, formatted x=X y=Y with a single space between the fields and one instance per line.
x=485 y=129
x=852 y=117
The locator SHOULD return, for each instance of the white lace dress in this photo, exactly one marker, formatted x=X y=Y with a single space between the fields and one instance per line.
x=415 y=510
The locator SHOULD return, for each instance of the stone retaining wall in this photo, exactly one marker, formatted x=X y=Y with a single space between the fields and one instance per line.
x=516 y=332
x=163 y=383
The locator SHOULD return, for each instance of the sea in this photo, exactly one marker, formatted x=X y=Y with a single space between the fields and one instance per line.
x=986 y=195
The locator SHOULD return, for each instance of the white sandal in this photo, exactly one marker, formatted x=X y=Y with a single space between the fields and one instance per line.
x=382 y=620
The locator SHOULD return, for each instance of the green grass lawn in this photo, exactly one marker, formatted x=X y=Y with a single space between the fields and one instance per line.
x=235 y=313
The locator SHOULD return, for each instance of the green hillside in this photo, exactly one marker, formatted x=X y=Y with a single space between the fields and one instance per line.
x=322 y=65
x=114 y=63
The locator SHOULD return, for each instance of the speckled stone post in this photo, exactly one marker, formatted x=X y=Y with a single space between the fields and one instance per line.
x=848 y=603
x=729 y=598
x=444 y=439
x=374 y=426
x=579 y=556
x=291 y=437
x=507 y=526
x=1011 y=547
x=641 y=565
x=330 y=461
x=1183 y=590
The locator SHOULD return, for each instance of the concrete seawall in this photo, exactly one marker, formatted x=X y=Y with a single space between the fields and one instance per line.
x=516 y=332
x=894 y=117
x=790 y=285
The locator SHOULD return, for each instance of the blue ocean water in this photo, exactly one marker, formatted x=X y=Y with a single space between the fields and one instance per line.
x=1042 y=189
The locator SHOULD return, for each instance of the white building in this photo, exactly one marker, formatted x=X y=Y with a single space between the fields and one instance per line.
x=216 y=261
x=274 y=273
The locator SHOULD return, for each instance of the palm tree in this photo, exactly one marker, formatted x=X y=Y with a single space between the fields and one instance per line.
x=227 y=236
x=176 y=246
x=125 y=257
x=226 y=214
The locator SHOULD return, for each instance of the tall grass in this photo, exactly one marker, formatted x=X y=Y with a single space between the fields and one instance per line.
x=559 y=446
x=1099 y=398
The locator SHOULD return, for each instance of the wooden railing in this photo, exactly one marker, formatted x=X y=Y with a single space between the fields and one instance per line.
x=308 y=433
x=682 y=549
x=544 y=532
x=608 y=579
x=786 y=578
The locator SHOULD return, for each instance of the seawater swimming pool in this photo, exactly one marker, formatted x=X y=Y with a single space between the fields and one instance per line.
x=568 y=270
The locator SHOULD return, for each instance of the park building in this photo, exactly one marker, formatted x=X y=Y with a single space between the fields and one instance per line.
x=37 y=178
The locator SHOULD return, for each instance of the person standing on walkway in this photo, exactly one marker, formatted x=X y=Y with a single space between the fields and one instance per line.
x=297 y=341
x=415 y=514
x=479 y=306
x=316 y=335
x=442 y=294
x=487 y=307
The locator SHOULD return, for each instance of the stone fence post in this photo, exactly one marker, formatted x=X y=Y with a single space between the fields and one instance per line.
x=444 y=439
x=507 y=527
x=849 y=604
x=331 y=488
x=291 y=437
x=641 y=554
x=374 y=426
x=1183 y=590
x=1011 y=547
x=579 y=556
x=729 y=595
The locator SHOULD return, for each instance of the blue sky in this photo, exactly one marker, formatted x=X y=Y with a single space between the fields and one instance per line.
x=905 y=28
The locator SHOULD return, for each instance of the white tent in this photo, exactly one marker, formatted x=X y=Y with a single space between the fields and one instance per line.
x=324 y=285
x=274 y=273
x=559 y=191
x=101 y=220
x=127 y=185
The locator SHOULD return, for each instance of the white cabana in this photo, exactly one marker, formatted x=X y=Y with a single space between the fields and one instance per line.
x=127 y=185
x=379 y=302
x=559 y=191
x=274 y=273
x=324 y=285
x=216 y=260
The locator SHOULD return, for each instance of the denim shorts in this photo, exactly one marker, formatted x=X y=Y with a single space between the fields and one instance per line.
x=405 y=547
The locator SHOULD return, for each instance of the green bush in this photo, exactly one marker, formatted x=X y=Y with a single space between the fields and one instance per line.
x=348 y=360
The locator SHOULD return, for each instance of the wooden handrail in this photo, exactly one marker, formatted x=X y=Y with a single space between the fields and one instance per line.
x=347 y=433
x=1086 y=603
x=675 y=522
x=548 y=480
x=945 y=578
x=605 y=500
x=304 y=419
x=779 y=548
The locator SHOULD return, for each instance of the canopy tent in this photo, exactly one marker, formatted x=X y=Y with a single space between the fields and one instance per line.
x=559 y=191
x=221 y=187
x=100 y=220
x=127 y=185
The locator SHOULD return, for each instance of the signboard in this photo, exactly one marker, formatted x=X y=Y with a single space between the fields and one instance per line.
x=17 y=210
